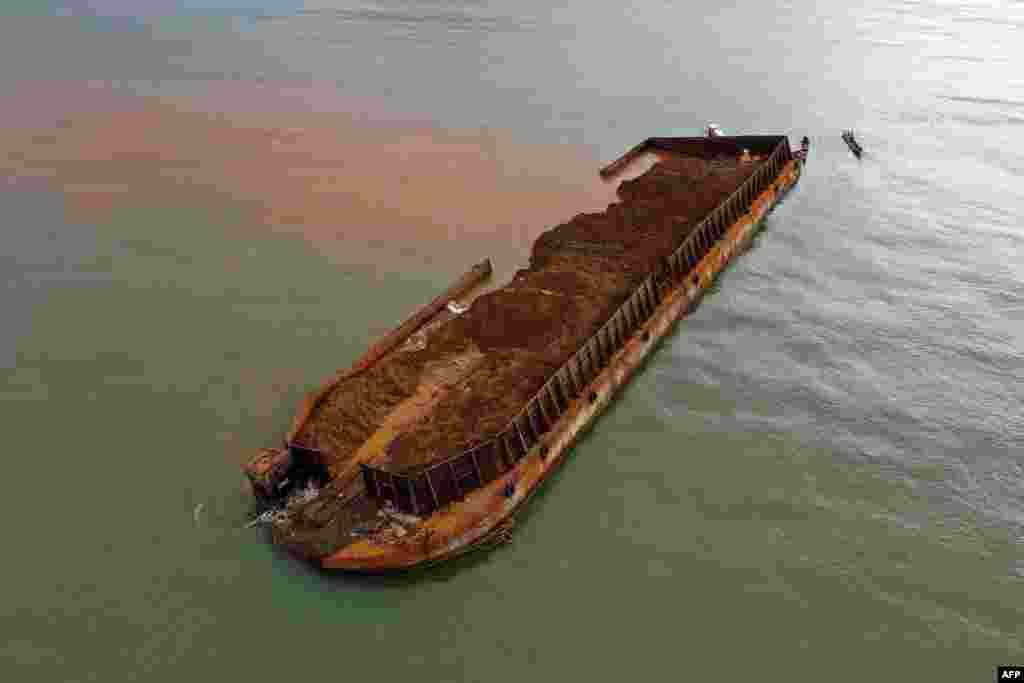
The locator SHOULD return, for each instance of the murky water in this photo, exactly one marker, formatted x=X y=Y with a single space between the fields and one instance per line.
x=208 y=206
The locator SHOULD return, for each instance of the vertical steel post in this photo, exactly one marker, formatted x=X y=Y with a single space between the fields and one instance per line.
x=534 y=414
x=522 y=437
x=455 y=480
x=476 y=466
x=500 y=457
x=543 y=409
x=412 y=497
x=433 y=491
x=575 y=375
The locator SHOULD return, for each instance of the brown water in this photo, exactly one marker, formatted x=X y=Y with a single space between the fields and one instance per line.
x=209 y=206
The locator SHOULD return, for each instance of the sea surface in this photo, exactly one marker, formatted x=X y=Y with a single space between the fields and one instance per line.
x=206 y=206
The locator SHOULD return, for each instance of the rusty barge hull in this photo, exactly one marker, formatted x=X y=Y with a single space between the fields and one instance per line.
x=464 y=501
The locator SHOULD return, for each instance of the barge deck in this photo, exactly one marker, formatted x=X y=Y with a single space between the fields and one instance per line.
x=429 y=449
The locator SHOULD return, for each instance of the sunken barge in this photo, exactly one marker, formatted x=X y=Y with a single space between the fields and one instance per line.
x=427 y=446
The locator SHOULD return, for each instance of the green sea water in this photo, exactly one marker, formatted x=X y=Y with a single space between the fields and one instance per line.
x=817 y=477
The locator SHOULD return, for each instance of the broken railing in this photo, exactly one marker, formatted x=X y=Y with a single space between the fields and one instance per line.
x=424 y=490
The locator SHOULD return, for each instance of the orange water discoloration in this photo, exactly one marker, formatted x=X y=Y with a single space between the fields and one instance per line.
x=329 y=177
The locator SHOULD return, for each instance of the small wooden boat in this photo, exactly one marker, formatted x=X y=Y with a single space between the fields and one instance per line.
x=852 y=143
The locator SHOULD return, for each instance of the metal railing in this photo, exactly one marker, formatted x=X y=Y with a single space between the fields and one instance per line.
x=440 y=483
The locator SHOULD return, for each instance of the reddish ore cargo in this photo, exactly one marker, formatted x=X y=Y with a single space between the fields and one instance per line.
x=429 y=444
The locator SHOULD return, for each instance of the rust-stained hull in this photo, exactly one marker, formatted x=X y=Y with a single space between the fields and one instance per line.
x=470 y=522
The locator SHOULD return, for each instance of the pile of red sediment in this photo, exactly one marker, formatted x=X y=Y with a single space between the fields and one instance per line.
x=580 y=272
x=659 y=209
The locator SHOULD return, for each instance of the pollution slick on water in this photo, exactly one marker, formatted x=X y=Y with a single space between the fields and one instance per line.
x=427 y=446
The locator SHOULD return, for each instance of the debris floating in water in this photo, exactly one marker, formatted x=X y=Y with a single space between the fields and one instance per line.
x=281 y=515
